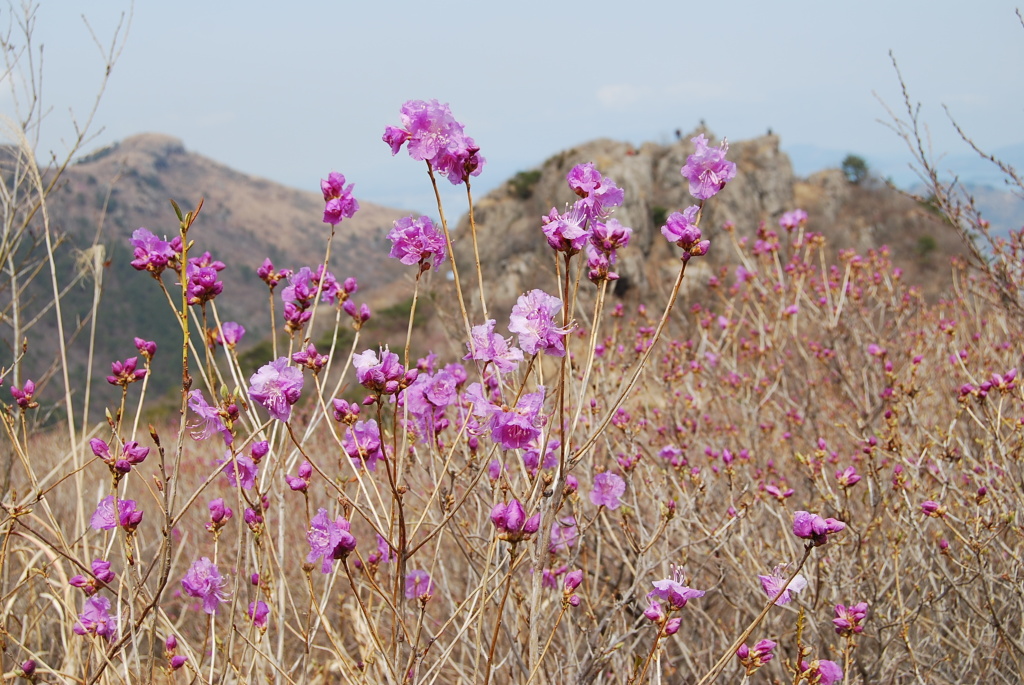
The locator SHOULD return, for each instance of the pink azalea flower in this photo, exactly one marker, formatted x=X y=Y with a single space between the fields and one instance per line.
x=230 y=334
x=488 y=346
x=813 y=527
x=511 y=522
x=433 y=135
x=203 y=581
x=518 y=427
x=276 y=387
x=259 y=612
x=793 y=219
x=566 y=232
x=598 y=194
x=242 y=470
x=417 y=584
x=533 y=320
x=340 y=203
x=209 y=419
x=564 y=535
x=384 y=374
x=608 y=490
x=706 y=169
x=672 y=590
x=773 y=584
x=95 y=619
x=682 y=230
x=849 y=620
x=822 y=672
x=328 y=540
x=151 y=253
x=416 y=241
x=362 y=444
x=848 y=476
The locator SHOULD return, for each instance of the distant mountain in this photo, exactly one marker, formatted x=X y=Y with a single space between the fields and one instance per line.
x=243 y=221
x=246 y=219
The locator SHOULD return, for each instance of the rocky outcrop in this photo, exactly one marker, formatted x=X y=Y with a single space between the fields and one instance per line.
x=516 y=258
x=862 y=216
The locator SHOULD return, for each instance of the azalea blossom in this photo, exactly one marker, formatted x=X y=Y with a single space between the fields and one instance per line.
x=340 y=203
x=813 y=527
x=276 y=387
x=488 y=346
x=707 y=169
x=203 y=581
x=849 y=620
x=415 y=240
x=608 y=490
x=95 y=619
x=774 y=582
x=533 y=320
x=328 y=540
x=417 y=584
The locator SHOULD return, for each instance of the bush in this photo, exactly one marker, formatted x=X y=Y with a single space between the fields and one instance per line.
x=809 y=460
x=854 y=168
x=523 y=182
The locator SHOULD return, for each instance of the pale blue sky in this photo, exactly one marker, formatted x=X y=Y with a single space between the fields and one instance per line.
x=291 y=91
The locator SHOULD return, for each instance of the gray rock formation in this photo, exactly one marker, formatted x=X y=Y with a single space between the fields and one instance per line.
x=516 y=257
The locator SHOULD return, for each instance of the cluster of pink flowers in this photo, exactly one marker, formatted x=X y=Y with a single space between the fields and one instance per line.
x=415 y=240
x=511 y=427
x=110 y=515
x=328 y=540
x=276 y=387
x=123 y=373
x=532 y=319
x=434 y=136
x=815 y=528
x=153 y=254
x=131 y=454
x=570 y=231
x=202 y=283
x=95 y=619
x=362 y=444
x=793 y=219
x=340 y=203
x=511 y=523
x=487 y=346
x=606 y=239
x=101 y=575
x=24 y=396
x=682 y=229
x=708 y=171
x=756 y=657
x=382 y=374
x=668 y=595
x=849 y=620
x=203 y=581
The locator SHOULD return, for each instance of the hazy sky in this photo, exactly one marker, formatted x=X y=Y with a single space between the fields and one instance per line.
x=291 y=91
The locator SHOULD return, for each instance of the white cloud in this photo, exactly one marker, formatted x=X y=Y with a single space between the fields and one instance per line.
x=622 y=95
